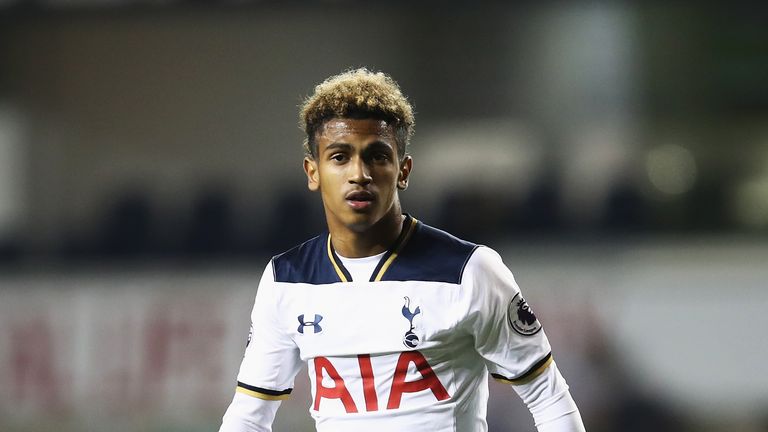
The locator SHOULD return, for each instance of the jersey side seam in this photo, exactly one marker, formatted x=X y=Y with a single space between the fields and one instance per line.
x=464 y=265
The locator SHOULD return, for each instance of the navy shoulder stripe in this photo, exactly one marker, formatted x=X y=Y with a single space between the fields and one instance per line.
x=431 y=255
x=305 y=263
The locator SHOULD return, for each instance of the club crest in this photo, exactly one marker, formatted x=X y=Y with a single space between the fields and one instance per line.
x=410 y=339
x=521 y=317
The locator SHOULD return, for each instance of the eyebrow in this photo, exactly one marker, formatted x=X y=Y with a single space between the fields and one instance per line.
x=338 y=146
x=380 y=145
x=376 y=145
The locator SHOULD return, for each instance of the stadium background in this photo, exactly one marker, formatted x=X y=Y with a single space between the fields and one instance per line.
x=616 y=154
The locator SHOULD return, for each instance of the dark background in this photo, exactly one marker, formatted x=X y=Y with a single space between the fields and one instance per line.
x=163 y=134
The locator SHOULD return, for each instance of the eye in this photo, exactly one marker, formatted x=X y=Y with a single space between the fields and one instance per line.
x=380 y=157
x=338 y=157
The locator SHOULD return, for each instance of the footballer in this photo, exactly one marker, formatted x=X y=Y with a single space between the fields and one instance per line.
x=400 y=324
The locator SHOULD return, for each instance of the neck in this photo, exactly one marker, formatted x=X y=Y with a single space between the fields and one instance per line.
x=376 y=239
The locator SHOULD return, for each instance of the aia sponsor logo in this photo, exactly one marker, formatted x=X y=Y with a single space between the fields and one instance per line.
x=415 y=360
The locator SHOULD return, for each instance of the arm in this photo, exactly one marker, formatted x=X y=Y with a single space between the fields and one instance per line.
x=269 y=366
x=249 y=414
x=549 y=401
x=516 y=350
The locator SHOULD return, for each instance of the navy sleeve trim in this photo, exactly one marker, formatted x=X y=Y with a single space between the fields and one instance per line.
x=262 y=393
x=528 y=375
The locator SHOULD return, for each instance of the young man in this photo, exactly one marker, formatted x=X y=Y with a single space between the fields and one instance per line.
x=400 y=324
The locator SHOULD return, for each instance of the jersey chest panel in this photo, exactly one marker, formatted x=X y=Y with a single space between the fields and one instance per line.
x=353 y=318
x=374 y=347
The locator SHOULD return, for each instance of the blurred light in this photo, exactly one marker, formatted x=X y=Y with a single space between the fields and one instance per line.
x=598 y=158
x=504 y=154
x=671 y=169
x=104 y=3
x=751 y=203
x=11 y=170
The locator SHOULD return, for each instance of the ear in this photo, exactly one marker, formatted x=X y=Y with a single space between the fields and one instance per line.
x=405 y=170
x=313 y=177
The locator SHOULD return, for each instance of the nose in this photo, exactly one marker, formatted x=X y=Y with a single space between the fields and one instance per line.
x=359 y=172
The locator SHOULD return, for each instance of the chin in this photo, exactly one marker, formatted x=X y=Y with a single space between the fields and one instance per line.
x=360 y=225
x=362 y=221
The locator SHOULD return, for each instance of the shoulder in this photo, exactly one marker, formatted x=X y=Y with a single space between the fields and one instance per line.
x=485 y=259
x=487 y=271
x=432 y=255
x=305 y=263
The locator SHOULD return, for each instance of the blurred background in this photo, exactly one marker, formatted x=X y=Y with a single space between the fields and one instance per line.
x=614 y=153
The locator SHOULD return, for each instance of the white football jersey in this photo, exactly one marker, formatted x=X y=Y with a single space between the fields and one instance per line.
x=410 y=347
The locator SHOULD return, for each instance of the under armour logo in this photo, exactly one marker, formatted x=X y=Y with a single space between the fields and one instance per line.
x=410 y=339
x=315 y=324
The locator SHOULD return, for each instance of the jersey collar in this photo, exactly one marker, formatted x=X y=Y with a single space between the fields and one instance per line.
x=409 y=226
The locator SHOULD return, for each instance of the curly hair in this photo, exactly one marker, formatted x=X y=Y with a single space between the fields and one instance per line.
x=357 y=93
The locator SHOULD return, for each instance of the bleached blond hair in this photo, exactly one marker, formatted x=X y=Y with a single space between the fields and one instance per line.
x=357 y=93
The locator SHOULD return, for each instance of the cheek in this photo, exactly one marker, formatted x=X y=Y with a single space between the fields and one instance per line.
x=329 y=180
x=388 y=184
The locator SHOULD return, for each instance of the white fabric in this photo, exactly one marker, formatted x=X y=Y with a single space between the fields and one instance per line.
x=271 y=358
x=361 y=268
x=353 y=337
x=249 y=414
x=549 y=401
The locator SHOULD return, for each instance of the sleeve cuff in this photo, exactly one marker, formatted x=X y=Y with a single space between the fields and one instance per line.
x=534 y=371
x=262 y=393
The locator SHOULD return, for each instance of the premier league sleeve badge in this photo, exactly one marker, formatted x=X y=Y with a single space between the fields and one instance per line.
x=521 y=317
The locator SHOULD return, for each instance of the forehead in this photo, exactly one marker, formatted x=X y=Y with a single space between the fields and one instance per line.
x=344 y=129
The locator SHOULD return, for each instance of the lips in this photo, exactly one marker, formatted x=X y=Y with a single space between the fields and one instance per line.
x=359 y=199
x=359 y=196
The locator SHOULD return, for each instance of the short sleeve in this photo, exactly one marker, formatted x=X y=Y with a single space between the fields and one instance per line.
x=271 y=359
x=506 y=331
